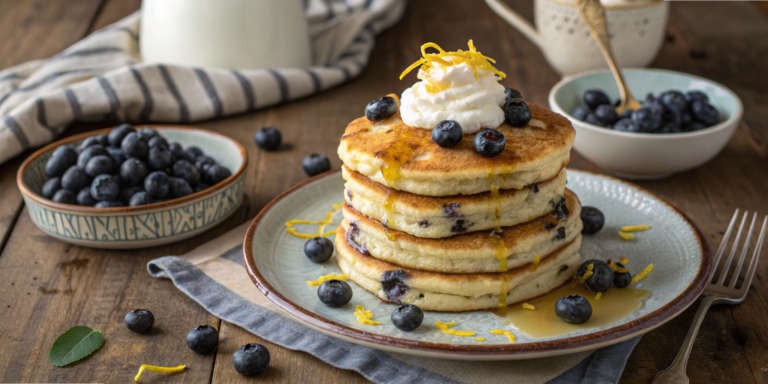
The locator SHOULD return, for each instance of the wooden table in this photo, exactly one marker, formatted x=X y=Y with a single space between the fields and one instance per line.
x=47 y=286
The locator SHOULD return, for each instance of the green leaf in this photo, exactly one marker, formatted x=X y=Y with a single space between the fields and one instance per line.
x=75 y=344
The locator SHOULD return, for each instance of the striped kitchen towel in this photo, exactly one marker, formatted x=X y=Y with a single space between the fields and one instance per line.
x=102 y=77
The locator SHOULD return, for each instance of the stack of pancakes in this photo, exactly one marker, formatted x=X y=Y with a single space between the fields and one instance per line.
x=450 y=230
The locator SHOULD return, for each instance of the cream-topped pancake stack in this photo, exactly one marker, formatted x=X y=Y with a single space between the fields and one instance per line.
x=455 y=198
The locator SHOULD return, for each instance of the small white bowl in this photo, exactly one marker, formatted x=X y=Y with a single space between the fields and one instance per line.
x=645 y=155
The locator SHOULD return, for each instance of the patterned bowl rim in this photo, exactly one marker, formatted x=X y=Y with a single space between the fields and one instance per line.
x=27 y=192
x=579 y=342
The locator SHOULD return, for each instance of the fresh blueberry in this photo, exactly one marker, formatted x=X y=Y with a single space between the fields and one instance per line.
x=118 y=158
x=61 y=159
x=177 y=150
x=447 y=133
x=203 y=339
x=127 y=193
x=670 y=128
x=626 y=114
x=195 y=151
x=157 y=141
x=189 y=156
x=179 y=187
x=103 y=140
x=655 y=105
x=621 y=279
x=139 y=320
x=51 y=187
x=517 y=112
x=159 y=158
x=315 y=164
x=268 y=138
x=84 y=198
x=201 y=187
x=140 y=198
x=250 y=359
x=157 y=184
x=89 y=142
x=592 y=119
x=147 y=133
x=704 y=113
x=318 y=249
x=670 y=117
x=512 y=93
x=381 y=108
x=647 y=119
x=574 y=309
x=135 y=145
x=601 y=278
x=117 y=134
x=594 y=98
x=185 y=170
x=489 y=142
x=606 y=114
x=696 y=95
x=108 y=204
x=216 y=174
x=407 y=317
x=580 y=113
x=99 y=165
x=334 y=293
x=87 y=153
x=133 y=171
x=626 y=125
x=674 y=101
x=685 y=119
x=105 y=188
x=203 y=162
x=593 y=220
x=74 y=179
x=64 y=196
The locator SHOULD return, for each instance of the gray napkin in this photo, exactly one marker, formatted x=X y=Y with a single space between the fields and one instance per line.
x=214 y=276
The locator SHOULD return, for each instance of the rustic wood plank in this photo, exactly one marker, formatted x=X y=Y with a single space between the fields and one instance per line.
x=114 y=10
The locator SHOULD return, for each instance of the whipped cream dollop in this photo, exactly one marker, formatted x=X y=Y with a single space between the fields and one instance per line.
x=453 y=93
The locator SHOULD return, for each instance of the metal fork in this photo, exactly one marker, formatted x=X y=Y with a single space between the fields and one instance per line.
x=718 y=292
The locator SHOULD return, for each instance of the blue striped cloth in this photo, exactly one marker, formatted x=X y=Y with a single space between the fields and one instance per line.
x=102 y=77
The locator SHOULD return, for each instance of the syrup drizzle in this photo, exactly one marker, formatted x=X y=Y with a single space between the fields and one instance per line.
x=389 y=205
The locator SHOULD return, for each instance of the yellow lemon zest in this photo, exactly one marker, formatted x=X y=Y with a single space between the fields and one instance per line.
x=444 y=327
x=622 y=270
x=479 y=338
x=503 y=332
x=623 y=260
x=158 y=369
x=613 y=265
x=641 y=275
x=528 y=306
x=635 y=228
x=325 y=278
x=598 y=296
x=320 y=225
x=535 y=263
x=626 y=235
x=364 y=316
x=473 y=58
x=587 y=274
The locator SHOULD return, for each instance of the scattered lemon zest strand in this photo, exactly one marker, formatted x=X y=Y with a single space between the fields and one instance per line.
x=325 y=278
x=535 y=263
x=473 y=58
x=444 y=327
x=364 y=316
x=623 y=260
x=641 y=275
x=613 y=265
x=479 y=338
x=320 y=225
x=635 y=228
x=626 y=235
x=622 y=270
x=503 y=332
x=158 y=369
x=528 y=306
x=587 y=274
x=598 y=296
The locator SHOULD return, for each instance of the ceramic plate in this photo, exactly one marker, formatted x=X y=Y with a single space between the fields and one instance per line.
x=682 y=260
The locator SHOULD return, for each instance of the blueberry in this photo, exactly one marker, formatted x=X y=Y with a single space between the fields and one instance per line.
x=685 y=119
x=670 y=117
x=447 y=133
x=593 y=220
x=88 y=153
x=381 y=108
x=655 y=105
x=268 y=138
x=201 y=187
x=250 y=359
x=315 y=164
x=512 y=93
x=574 y=309
x=140 y=198
x=203 y=162
x=607 y=114
x=407 y=317
x=64 y=196
x=179 y=187
x=127 y=193
x=185 y=170
x=157 y=184
x=318 y=249
x=159 y=158
x=84 y=198
x=626 y=125
x=674 y=101
x=647 y=119
x=627 y=113
x=621 y=279
x=176 y=150
x=489 y=142
x=89 y=142
x=118 y=157
x=334 y=293
x=203 y=339
x=139 y=320
x=117 y=134
x=108 y=204
x=157 y=141
x=670 y=128
x=105 y=188
x=61 y=159
x=147 y=133
x=133 y=171
x=594 y=98
x=601 y=278
x=516 y=112
x=580 y=113
x=74 y=179
x=51 y=187
x=704 y=113
x=189 y=156
x=592 y=119
x=696 y=95
x=195 y=151
x=103 y=140
x=134 y=145
x=99 y=165
x=217 y=173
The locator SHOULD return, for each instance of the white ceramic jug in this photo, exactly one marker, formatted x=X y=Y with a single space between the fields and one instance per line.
x=637 y=30
x=239 y=34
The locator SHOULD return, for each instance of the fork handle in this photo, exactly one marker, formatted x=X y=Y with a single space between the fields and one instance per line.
x=675 y=374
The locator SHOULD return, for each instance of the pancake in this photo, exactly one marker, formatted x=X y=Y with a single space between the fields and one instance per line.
x=434 y=291
x=438 y=217
x=469 y=252
x=405 y=158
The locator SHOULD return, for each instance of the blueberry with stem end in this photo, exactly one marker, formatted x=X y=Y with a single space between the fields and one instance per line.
x=489 y=142
x=407 y=317
x=600 y=279
x=381 y=108
x=268 y=138
x=593 y=220
x=574 y=309
x=203 y=339
x=139 y=320
x=517 y=112
x=318 y=249
x=251 y=359
x=447 y=133
x=105 y=188
x=334 y=293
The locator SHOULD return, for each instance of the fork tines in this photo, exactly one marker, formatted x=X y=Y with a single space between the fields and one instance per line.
x=719 y=284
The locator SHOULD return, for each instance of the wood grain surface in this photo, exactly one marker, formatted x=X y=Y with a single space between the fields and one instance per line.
x=47 y=286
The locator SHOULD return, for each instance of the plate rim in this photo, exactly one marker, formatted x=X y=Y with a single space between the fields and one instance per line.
x=637 y=326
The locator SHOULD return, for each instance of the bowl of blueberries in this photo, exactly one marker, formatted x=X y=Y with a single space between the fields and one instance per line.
x=684 y=121
x=133 y=187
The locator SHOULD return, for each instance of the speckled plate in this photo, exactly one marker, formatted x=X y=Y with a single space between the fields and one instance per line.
x=681 y=256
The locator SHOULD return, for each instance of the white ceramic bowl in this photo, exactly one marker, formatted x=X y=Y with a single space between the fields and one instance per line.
x=148 y=225
x=644 y=155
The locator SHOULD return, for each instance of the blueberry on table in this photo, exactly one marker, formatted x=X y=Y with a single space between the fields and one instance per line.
x=84 y=198
x=108 y=204
x=592 y=119
x=593 y=220
x=135 y=145
x=696 y=95
x=704 y=113
x=61 y=159
x=157 y=184
x=647 y=119
x=74 y=179
x=512 y=93
x=133 y=171
x=268 y=138
x=179 y=187
x=381 y=108
x=139 y=320
x=64 y=196
x=334 y=293
x=250 y=359
x=489 y=142
x=622 y=277
x=99 y=165
x=516 y=112
x=127 y=193
x=574 y=309
x=606 y=114
x=407 y=317
x=594 y=98
x=117 y=134
x=315 y=164
x=626 y=125
x=159 y=158
x=318 y=249
x=203 y=339
x=447 y=133
x=599 y=280
x=87 y=153
x=140 y=198
x=51 y=187
x=185 y=170
x=580 y=113
x=105 y=188
x=157 y=141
